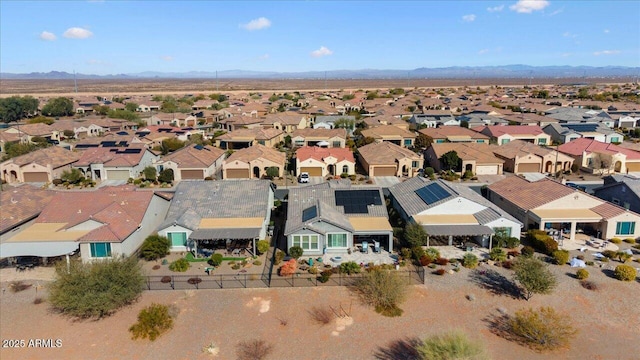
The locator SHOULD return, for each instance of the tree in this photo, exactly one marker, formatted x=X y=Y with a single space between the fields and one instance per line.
x=382 y=289
x=155 y=247
x=451 y=345
x=344 y=123
x=534 y=276
x=263 y=246
x=72 y=176
x=295 y=251
x=464 y=124
x=166 y=176
x=171 y=145
x=150 y=173
x=123 y=114
x=287 y=141
x=60 y=106
x=422 y=141
x=153 y=321
x=15 y=108
x=583 y=93
x=96 y=289
x=101 y=109
x=69 y=134
x=450 y=160
x=14 y=149
x=415 y=235
x=130 y=106
x=362 y=141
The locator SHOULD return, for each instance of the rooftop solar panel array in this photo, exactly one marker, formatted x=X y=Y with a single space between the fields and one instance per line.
x=357 y=201
x=432 y=193
x=309 y=213
x=581 y=127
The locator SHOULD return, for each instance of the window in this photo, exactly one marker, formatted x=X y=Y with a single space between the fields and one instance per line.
x=505 y=141
x=306 y=242
x=503 y=232
x=439 y=141
x=407 y=142
x=336 y=144
x=615 y=201
x=261 y=142
x=414 y=164
x=615 y=139
x=337 y=241
x=625 y=228
x=345 y=169
x=100 y=250
x=542 y=141
x=627 y=205
x=177 y=238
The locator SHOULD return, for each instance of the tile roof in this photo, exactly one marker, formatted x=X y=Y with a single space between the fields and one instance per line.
x=321 y=133
x=522 y=148
x=577 y=146
x=257 y=151
x=444 y=132
x=530 y=195
x=194 y=156
x=20 y=204
x=38 y=129
x=481 y=153
x=499 y=130
x=109 y=156
x=318 y=153
x=251 y=134
x=385 y=153
x=385 y=131
x=54 y=155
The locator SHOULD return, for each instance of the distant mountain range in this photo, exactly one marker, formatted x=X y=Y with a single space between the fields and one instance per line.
x=454 y=72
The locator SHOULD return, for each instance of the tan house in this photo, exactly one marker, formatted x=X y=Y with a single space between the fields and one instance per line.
x=335 y=138
x=252 y=162
x=323 y=162
x=243 y=138
x=194 y=162
x=445 y=134
x=287 y=122
x=503 y=134
x=602 y=158
x=27 y=132
x=42 y=165
x=391 y=133
x=388 y=159
x=240 y=122
x=477 y=158
x=524 y=157
x=546 y=204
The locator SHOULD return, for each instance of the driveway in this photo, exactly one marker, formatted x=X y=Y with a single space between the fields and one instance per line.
x=385 y=181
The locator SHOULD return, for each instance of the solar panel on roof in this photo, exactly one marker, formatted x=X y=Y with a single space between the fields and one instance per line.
x=309 y=213
x=581 y=127
x=432 y=193
x=357 y=201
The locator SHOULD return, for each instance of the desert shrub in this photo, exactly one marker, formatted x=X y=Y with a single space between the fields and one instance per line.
x=289 y=268
x=507 y=264
x=253 y=350
x=180 y=265
x=38 y=301
x=497 y=254
x=534 y=276
x=582 y=274
x=263 y=246
x=295 y=252
x=417 y=252
x=616 y=240
x=153 y=321
x=383 y=289
x=349 y=267
x=321 y=315
x=257 y=263
x=636 y=246
x=440 y=271
x=216 y=259
x=97 y=289
x=18 y=286
x=442 y=261
x=429 y=172
x=433 y=253
x=542 y=242
x=166 y=176
x=425 y=260
x=57 y=182
x=324 y=276
x=630 y=240
x=513 y=253
x=589 y=263
x=279 y=256
x=561 y=257
x=155 y=247
x=405 y=253
x=610 y=254
x=625 y=273
x=452 y=345
x=506 y=242
x=194 y=281
x=623 y=256
x=542 y=329
x=527 y=251
x=236 y=266
x=589 y=285
x=469 y=261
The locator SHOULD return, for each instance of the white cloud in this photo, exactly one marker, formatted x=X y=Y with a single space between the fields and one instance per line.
x=495 y=8
x=468 y=18
x=569 y=35
x=166 y=58
x=606 y=52
x=483 y=51
x=257 y=24
x=77 y=33
x=529 y=6
x=323 y=51
x=606 y=31
x=47 y=36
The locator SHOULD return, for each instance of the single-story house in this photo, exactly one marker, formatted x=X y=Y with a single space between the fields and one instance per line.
x=545 y=204
x=475 y=157
x=115 y=163
x=449 y=211
x=211 y=214
x=502 y=134
x=253 y=162
x=335 y=138
x=194 y=162
x=328 y=121
x=388 y=159
x=433 y=119
x=392 y=134
x=323 y=219
x=623 y=190
x=599 y=157
x=323 y=162
x=20 y=206
x=243 y=138
x=566 y=132
x=287 y=122
x=453 y=134
x=524 y=157
x=42 y=165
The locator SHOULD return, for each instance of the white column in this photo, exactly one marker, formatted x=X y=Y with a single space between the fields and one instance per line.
x=573 y=231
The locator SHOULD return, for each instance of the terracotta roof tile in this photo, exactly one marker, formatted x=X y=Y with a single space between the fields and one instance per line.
x=529 y=195
x=318 y=153
x=22 y=203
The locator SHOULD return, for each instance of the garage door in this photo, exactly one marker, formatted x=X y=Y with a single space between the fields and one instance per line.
x=36 y=177
x=118 y=174
x=528 y=167
x=486 y=170
x=237 y=173
x=384 y=171
x=313 y=171
x=191 y=174
x=633 y=167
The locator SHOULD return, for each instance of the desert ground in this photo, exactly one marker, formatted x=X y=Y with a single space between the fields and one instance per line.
x=608 y=321
x=91 y=87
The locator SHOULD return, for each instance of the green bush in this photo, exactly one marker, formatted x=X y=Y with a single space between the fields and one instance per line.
x=497 y=254
x=527 y=251
x=263 y=246
x=383 y=289
x=295 y=252
x=542 y=329
x=429 y=172
x=417 y=252
x=625 y=273
x=216 y=259
x=561 y=257
x=180 y=265
x=506 y=242
x=432 y=253
x=534 y=276
x=257 y=263
x=96 y=289
x=610 y=254
x=452 y=345
x=155 y=247
x=324 y=276
x=279 y=256
x=542 y=242
x=616 y=240
x=153 y=321
x=350 y=267
x=469 y=261
x=582 y=274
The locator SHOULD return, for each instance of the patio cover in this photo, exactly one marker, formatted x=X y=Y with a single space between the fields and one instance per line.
x=567 y=215
x=42 y=249
x=364 y=224
x=457 y=230
x=227 y=233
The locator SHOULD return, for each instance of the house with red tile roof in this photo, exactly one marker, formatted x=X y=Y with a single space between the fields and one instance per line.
x=502 y=134
x=547 y=204
x=323 y=162
x=602 y=158
x=21 y=205
x=115 y=163
x=101 y=224
x=194 y=162
x=42 y=165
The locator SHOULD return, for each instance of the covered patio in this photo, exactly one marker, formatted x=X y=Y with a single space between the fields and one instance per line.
x=235 y=235
x=546 y=218
x=451 y=235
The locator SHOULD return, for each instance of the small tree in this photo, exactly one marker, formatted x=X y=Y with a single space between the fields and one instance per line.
x=295 y=252
x=131 y=106
x=150 y=173
x=452 y=345
x=69 y=134
x=263 y=246
x=155 y=247
x=72 y=176
x=273 y=172
x=216 y=259
x=383 y=289
x=166 y=176
x=450 y=160
x=542 y=329
x=180 y=265
x=153 y=321
x=534 y=276
x=415 y=235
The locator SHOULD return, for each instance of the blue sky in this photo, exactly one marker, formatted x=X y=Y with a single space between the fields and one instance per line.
x=112 y=37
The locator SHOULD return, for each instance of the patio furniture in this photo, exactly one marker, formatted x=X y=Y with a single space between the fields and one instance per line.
x=208 y=270
x=376 y=246
x=365 y=247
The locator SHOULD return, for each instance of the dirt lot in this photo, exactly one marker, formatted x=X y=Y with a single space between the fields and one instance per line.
x=608 y=321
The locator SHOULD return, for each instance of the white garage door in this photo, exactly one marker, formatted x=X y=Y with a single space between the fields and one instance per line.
x=487 y=170
x=118 y=174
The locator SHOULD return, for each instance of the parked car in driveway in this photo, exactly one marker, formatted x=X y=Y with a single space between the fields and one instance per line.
x=303 y=178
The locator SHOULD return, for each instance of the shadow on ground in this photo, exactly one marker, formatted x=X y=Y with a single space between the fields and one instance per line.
x=402 y=349
x=495 y=283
